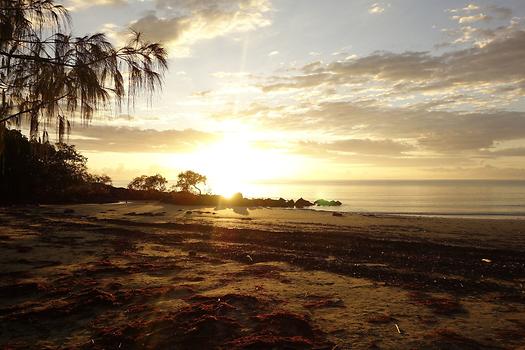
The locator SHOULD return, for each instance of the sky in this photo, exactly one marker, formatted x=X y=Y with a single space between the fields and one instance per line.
x=261 y=90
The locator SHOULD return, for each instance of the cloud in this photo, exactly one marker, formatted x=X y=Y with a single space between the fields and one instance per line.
x=356 y=146
x=393 y=130
x=500 y=12
x=484 y=77
x=134 y=140
x=483 y=173
x=471 y=7
x=77 y=5
x=376 y=9
x=473 y=20
x=508 y=152
x=179 y=24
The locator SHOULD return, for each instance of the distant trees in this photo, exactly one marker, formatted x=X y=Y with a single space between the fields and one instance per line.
x=40 y=171
x=148 y=183
x=187 y=181
x=47 y=75
x=101 y=179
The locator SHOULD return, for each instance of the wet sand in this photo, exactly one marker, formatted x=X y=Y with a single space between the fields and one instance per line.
x=150 y=275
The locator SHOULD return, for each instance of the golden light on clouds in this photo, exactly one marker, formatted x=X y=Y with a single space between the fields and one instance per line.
x=271 y=90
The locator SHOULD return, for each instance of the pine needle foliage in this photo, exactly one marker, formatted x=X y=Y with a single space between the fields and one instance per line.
x=48 y=75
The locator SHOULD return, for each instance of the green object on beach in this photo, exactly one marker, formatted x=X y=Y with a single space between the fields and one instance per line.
x=325 y=203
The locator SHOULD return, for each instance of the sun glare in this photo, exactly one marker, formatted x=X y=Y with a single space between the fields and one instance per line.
x=233 y=162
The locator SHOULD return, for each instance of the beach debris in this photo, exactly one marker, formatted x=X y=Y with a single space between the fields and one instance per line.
x=69 y=211
x=189 y=212
x=192 y=253
x=325 y=303
x=439 y=305
x=397 y=327
x=336 y=214
x=485 y=260
x=249 y=257
x=152 y=214
x=380 y=318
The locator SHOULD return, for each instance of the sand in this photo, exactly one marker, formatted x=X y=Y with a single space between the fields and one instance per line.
x=157 y=276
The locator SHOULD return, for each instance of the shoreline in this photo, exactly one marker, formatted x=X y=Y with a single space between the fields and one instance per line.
x=155 y=275
x=333 y=209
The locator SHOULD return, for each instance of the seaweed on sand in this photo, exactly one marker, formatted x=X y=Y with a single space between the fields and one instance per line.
x=438 y=305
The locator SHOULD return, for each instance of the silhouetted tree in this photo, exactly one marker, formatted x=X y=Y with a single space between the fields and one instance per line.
x=101 y=179
x=46 y=74
x=148 y=183
x=189 y=180
x=40 y=171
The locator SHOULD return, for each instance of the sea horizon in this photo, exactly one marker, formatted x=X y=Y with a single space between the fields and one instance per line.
x=465 y=198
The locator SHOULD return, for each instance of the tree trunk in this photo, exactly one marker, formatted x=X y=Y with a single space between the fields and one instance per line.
x=2 y=147
x=198 y=189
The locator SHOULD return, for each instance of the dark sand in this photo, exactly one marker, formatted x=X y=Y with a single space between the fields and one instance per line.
x=166 y=277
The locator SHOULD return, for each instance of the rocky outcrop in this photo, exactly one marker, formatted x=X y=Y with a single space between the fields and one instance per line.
x=302 y=203
x=325 y=203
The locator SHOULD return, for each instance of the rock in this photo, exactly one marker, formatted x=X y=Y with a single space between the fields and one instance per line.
x=302 y=203
x=325 y=203
x=281 y=202
x=237 y=199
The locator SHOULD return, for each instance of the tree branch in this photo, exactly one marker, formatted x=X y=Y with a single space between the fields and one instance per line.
x=40 y=105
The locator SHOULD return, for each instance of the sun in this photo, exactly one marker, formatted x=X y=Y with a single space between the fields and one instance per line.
x=233 y=162
x=229 y=165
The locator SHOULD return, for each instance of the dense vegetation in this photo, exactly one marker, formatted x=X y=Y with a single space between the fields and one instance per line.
x=155 y=182
x=32 y=171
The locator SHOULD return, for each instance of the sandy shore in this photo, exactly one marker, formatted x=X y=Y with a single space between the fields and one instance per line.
x=150 y=275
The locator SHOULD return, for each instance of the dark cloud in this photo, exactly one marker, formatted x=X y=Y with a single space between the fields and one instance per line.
x=124 y=139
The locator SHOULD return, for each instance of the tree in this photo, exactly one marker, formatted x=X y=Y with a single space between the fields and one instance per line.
x=40 y=171
x=148 y=183
x=189 y=180
x=101 y=179
x=48 y=75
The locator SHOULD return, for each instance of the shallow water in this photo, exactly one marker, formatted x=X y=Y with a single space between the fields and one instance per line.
x=466 y=198
x=455 y=198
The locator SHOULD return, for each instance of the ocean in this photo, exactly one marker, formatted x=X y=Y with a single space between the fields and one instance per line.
x=460 y=198
x=450 y=198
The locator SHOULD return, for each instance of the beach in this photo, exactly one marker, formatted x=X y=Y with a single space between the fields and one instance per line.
x=159 y=276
